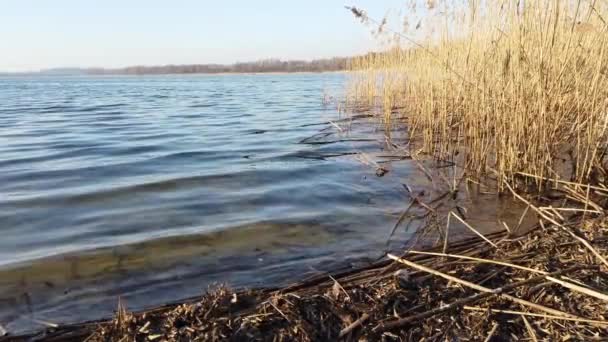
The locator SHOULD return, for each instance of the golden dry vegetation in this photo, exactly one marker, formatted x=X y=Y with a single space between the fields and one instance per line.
x=510 y=86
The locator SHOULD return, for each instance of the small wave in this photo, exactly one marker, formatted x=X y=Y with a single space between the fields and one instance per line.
x=77 y=109
x=224 y=181
x=102 y=107
x=203 y=105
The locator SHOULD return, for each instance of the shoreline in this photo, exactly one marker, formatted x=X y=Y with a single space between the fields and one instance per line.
x=495 y=286
x=84 y=329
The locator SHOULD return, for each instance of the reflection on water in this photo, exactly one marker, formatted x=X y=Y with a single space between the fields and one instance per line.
x=152 y=188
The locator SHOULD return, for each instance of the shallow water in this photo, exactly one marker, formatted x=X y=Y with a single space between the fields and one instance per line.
x=153 y=188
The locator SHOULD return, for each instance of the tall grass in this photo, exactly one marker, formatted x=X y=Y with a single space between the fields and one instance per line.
x=509 y=86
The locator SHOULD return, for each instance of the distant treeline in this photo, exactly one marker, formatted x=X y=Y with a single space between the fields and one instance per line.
x=267 y=65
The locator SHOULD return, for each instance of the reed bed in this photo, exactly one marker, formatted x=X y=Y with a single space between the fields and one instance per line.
x=503 y=87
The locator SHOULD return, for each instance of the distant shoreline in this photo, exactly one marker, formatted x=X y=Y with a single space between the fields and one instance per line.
x=176 y=74
x=267 y=66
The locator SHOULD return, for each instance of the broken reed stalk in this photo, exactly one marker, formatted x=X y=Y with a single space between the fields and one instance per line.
x=460 y=246
x=479 y=287
x=502 y=263
x=566 y=284
x=447 y=235
x=512 y=312
x=353 y=325
x=529 y=329
x=548 y=218
x=491 y=333
x=400 y=220
x=582 y=185
x=472 y=229
x=44 y=323
x=521 y=220
x=580 y=289
x=575 y=210
x=384 y=326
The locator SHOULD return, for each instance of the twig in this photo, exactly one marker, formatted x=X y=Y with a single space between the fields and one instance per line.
x=144 y=329
x=415 y=200
x=423 y=169
x=353 y=325
x=588 y=202
x=557 y=213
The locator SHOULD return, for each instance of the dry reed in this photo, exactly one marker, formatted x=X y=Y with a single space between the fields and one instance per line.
x=504 y=86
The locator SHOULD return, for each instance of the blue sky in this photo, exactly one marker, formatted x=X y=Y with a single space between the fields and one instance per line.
x=37 y=34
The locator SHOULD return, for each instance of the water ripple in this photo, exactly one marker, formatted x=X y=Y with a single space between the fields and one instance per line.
x=110 y=183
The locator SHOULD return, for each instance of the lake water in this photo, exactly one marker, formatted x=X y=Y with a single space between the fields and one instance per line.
x=153 y=188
